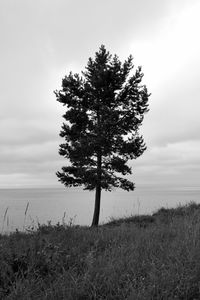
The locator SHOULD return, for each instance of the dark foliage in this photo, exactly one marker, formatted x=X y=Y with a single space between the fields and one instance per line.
x=105 y=108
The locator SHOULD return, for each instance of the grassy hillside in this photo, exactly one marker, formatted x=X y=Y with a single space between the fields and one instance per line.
x=141 y=257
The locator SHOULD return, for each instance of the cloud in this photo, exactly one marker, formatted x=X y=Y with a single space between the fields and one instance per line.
x=172 y=71
x=175 y=163
x=41 y=42
x=30 y=164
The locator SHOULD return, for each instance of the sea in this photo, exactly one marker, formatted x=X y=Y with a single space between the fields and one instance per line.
x=26 y=209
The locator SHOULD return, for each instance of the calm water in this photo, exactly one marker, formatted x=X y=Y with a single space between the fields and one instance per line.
x=77 y=206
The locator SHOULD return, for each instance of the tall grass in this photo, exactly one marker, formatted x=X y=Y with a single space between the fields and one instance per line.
x=139 y=257
x=25 y=213
x=4 y=219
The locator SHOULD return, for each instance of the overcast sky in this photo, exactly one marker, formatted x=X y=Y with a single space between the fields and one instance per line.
x=41 y=41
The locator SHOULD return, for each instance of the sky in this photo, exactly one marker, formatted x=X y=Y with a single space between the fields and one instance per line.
x=42 y=41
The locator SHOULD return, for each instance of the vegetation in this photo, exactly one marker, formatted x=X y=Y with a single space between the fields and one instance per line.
x=105 y=108
x=139 y=257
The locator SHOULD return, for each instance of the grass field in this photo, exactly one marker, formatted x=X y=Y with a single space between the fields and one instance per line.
x=138 y=257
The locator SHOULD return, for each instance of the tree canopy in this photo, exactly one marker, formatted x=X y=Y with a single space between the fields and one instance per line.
x=105 y=108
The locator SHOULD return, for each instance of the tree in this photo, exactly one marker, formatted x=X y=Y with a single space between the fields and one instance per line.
x=105 y=108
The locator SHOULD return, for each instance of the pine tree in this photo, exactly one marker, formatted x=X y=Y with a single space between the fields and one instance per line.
x=105 y=108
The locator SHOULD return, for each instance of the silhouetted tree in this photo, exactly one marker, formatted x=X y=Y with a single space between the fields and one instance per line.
x=105 y=107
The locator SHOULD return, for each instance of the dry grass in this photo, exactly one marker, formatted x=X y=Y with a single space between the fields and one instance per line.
x=147 y=257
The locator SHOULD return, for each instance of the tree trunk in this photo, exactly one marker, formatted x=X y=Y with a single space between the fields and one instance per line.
x=95 y=220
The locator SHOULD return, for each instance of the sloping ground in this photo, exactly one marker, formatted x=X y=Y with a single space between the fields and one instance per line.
x=163 y=215
x=147 y=257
